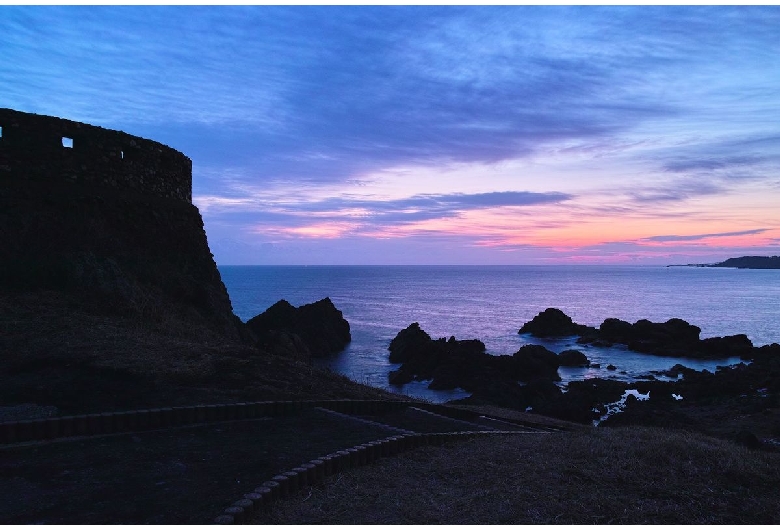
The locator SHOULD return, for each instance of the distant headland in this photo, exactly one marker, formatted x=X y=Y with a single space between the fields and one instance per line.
x=744 y=262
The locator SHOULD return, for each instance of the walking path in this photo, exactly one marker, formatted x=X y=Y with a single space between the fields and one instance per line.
x=217 y=463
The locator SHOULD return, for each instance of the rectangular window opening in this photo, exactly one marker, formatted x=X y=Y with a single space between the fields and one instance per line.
x=67 y=142
x=1 y=131
x=122 y=155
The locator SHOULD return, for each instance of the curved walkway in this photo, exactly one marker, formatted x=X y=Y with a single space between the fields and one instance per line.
x=188 y=464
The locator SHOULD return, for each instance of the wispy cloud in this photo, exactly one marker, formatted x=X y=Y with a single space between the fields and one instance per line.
x=698 y=237
x=710 y=164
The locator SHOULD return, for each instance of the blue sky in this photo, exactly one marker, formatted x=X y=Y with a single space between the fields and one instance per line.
x=383 y=135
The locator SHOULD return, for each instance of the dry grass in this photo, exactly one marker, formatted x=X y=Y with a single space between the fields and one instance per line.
x=621 y=476
x=53 y=351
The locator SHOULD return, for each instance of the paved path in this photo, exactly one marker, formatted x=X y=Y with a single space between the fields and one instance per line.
x=192 y=473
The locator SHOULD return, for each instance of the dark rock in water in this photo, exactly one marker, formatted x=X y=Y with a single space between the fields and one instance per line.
x=409 y=343
x=451 y=363
x=721 y=347
x=573 y=358
x=320 y=328
x=611 y=367
x=553 y=322
x=674 y=371
x=675 y=337
x=534 y=361
x=595 y=365
x=399 y=377
x=764 y=354
x=616 y=330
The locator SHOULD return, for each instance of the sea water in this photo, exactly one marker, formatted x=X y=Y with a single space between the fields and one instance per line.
x=491 y=303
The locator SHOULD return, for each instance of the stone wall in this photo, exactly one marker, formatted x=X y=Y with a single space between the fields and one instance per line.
x=49 y=150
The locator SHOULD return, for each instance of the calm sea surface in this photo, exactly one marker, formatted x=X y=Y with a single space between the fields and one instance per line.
x=491 y=303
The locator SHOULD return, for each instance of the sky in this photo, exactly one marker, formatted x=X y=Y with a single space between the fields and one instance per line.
x=435 y=135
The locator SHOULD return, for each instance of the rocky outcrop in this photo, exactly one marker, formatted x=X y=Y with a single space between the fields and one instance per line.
x=534 y=362
x=553 y=322
x=509 y=380
x=573 y=358
x=410 y=343
x=311 y=330
x=722 y=347
x=444 y=361
x=673 y=338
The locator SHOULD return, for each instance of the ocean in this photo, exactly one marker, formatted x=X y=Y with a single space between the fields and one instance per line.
x=491 y=303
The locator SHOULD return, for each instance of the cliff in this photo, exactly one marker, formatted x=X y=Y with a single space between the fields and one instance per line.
x=106 y=216
x=109 y=295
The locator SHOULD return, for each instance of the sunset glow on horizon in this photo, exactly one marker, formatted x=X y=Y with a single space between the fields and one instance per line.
x=435 y=135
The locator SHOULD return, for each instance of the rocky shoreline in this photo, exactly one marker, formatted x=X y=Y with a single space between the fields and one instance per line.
x=740 y=401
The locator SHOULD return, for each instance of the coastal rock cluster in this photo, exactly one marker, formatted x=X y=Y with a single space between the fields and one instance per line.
x=519 y=379
x=527 y=379
x=311 y=330
x=673 y=338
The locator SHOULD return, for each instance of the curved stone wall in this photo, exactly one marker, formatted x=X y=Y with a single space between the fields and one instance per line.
x=52 y=150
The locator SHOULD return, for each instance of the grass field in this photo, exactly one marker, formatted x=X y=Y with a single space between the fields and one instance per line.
x=630 y=475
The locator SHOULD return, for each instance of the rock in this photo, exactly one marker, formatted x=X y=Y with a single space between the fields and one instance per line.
x=534 y=361
x=553 y=322
x=285 y=344
x=399 y=377
x=448 y=376
x=320 y=328
x=616 y=330
x=538 y=391
x=451 y=363
x=611 y=367
x=408 y=343
x=573 y=358
x=675 y=337
x=722 y=347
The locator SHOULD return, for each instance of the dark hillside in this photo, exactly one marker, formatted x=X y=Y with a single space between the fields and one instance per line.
x=751 y=262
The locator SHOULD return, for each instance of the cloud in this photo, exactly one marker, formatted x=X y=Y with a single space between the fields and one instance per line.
x=369 y=212
x=370 y=87
x=710 y=164
x=697 y=237
x=675 y=191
